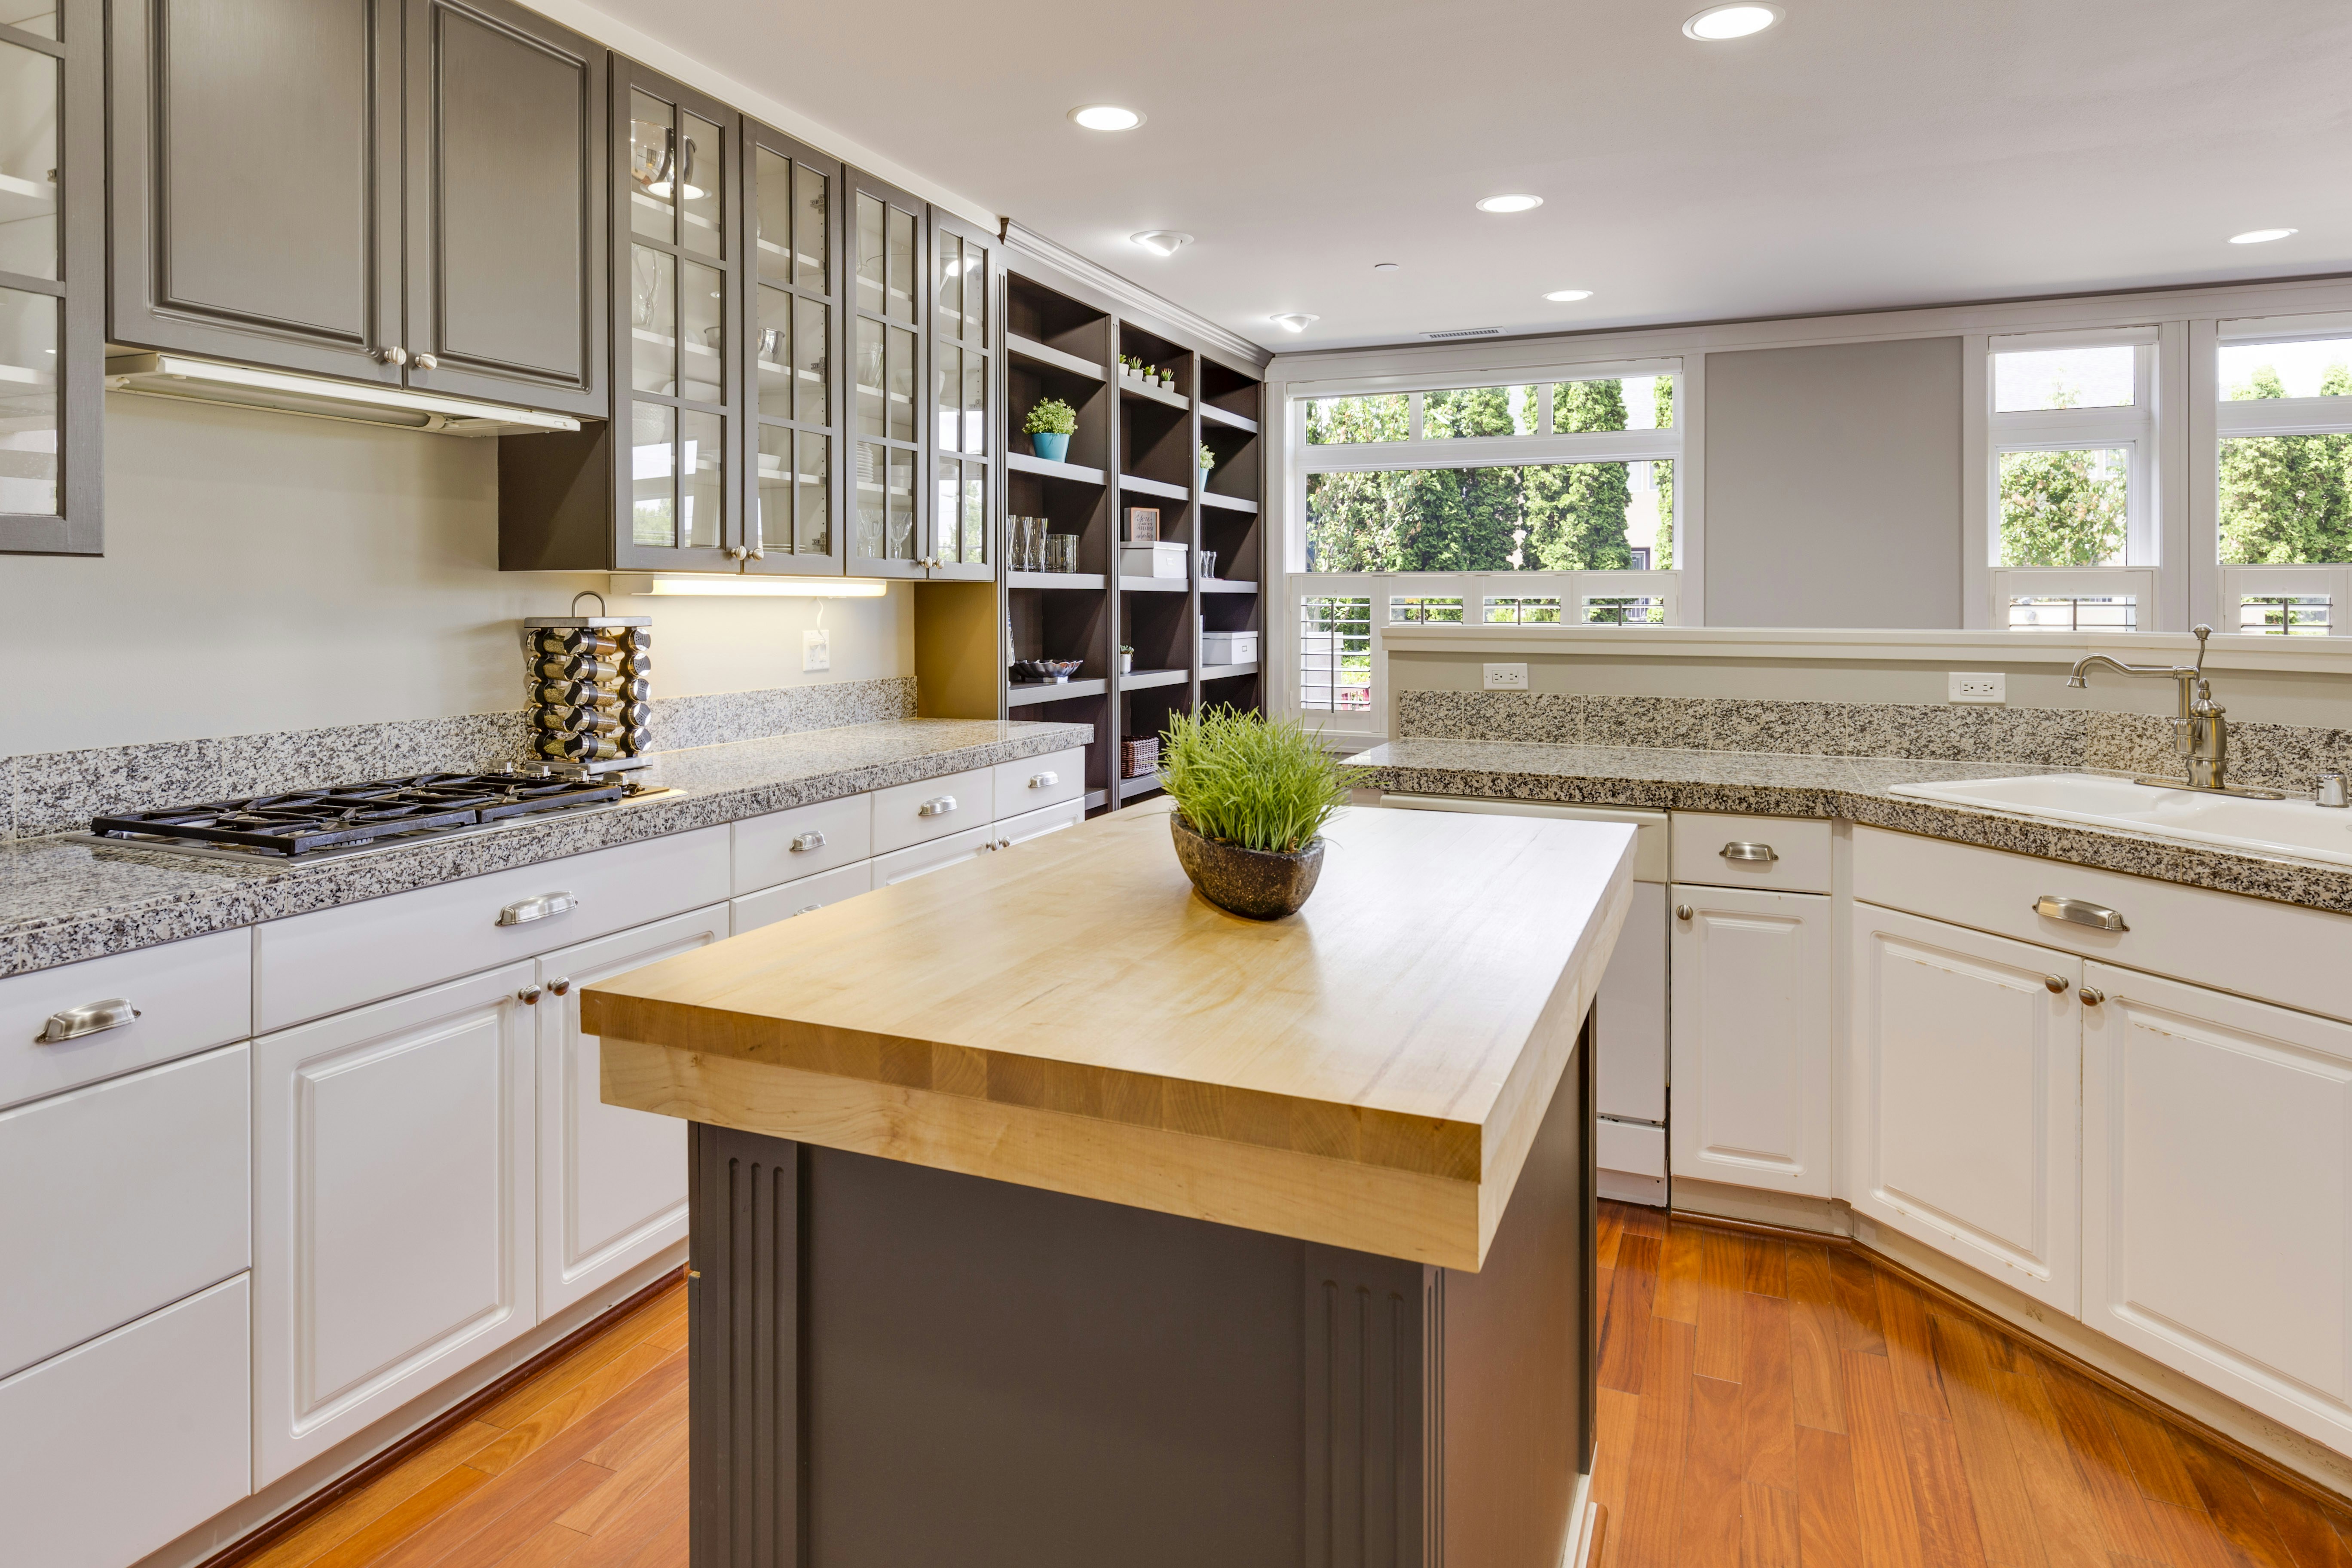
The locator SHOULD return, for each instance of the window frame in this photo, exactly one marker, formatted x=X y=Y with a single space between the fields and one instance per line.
x=2271 y=416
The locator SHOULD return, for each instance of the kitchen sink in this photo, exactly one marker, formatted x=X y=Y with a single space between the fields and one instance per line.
x=2288 y=827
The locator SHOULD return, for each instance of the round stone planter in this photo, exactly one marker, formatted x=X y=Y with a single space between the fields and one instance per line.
x=1257 y=883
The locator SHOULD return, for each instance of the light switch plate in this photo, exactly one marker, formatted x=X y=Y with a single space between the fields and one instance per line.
x=1506 y=678
x=816 y=650
x=1978 y=685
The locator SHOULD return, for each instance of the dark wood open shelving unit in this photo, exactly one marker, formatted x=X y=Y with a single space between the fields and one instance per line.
x=1135 y=445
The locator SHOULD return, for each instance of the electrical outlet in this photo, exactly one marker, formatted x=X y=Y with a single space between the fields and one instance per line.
x=1978 y=685
x=816 y=650
x=1506 y=678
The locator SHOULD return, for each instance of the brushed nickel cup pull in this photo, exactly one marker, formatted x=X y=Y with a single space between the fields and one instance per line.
x=1044 y=780
x=2078 y=911
x=2057 y=983
x=938 y=805
x=1739 y=851
x=2092 y=995
x=804 y=842
x=90 y=1018
x=522 y=912
x=805 y=910
x=1683 y=911
x=426 y=361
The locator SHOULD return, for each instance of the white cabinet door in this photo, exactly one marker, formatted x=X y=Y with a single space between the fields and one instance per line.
x=1962 y=1086
x=1629 y=1018
x=612 y=1180
x=117 y=1447
x=392 y=1206
x=2217 y=1193
x=1751 y=1038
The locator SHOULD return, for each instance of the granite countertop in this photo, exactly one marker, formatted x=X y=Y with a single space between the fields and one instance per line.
x=63 y=899
x=1775 y=784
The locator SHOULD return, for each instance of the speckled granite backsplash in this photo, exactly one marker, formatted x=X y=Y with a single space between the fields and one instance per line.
x=2280 y=756
x=57 y=792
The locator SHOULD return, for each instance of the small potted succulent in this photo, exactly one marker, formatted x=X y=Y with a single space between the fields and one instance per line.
x=1126 y=660
x=1252 y=797
x=1049 y=427
x=1130 y=368
x=1167 y=379
x=1208 y=457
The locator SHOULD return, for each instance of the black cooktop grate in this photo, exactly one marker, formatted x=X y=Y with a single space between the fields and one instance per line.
x=305 y=821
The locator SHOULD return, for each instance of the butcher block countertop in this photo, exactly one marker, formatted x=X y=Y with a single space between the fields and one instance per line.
x=1068 y=1014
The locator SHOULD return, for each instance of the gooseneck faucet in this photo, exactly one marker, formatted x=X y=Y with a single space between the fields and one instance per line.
x=2201 y=732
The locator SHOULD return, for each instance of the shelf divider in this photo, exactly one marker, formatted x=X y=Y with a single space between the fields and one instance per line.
x=1051 y=358
x=1077 y=473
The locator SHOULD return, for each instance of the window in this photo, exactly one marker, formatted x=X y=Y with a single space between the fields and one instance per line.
x=1335 y=654
x=1524 y=610
x=2283 y=477
x=1544 y=516
x=2073 y=434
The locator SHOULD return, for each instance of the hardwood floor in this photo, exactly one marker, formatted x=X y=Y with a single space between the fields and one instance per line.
x=1764 y=1403
x=1767 y=1402
x=584 y=1465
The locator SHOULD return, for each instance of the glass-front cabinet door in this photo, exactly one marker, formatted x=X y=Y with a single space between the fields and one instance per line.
x=961 y=394
x=52 y=270
x=889 y=511
x=794 y=319
x=678 y=412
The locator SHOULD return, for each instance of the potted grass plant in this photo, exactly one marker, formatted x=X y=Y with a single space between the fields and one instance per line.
x=1253 y=795
x=1049 y=426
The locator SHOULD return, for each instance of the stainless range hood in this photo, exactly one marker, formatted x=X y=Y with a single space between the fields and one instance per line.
x=192 y=380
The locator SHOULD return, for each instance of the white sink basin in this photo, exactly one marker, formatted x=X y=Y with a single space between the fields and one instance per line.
x=2288 y=827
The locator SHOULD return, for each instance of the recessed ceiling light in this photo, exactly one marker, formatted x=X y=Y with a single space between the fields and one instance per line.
x=1510 y=204
x=1717 y=23
x=1161 y=241
x=1384 y=267
x=2260 y=236
x=1106 y=117
x=1568 y=296
x=1296 y=321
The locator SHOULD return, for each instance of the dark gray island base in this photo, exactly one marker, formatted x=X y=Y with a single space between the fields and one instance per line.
x=896 y=1366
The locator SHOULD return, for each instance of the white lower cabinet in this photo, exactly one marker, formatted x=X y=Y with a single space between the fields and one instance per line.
x=117 y=1447
x=2217 y=1192
x=1011 y=830
x=935 y=856
x=1750 y=1038
x=612 y=1180
x=392 y=1206
x=769 y=905
x=1967 y=1053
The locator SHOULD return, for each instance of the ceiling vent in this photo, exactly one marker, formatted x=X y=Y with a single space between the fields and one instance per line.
x=1463 y=333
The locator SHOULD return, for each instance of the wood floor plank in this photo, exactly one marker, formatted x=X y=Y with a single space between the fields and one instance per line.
x=1768 y=1403
x=1767 y=1266
x=631 y=1535
x=1817 y=1381
x=1678 y=1275
x=2228 y=1494
x=497 y=1518
x=2148 y=1448
x=2190 y=1538
x=1903 y=1318
x=1856 y=1284
x=2122 y=1512
x=1625 y=1326
x=650 y=1425
x=1829 y=1533
x=594 y=1512
x=1646 y=1531
x=1614 y=1413
x=1714 y=1459
x=1881 y=1473
x=420 y=1510
x=2005 y=1521
x=1940 y=1494
x=2310 y=1540
x=2063 y=1508
x=1610 y=1225
x=636 y=1378
x=1723 y=1287
x=666 y=1311
x=348 y=1516
x=554 y=1545
x=1768 y=1531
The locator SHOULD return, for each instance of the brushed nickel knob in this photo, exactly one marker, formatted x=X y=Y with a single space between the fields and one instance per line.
x=2092 y=995
x=395 y=354
x=1683 y=911
x=562 y=985
x=2057 y=983
x=426 y=361
x=528 y=995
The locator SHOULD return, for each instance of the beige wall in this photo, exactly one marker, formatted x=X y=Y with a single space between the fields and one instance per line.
x=265 y=572
x=1833 y=486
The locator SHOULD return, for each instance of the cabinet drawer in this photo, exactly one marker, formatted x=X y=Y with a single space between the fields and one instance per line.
x=1010 y=830
x=120 y=1197
x=933 y=808
x=189 y=995
x=1795 y=852
x=1037 y=782
x=937 y=855
x=754 y=910
x=801 y=842
x=1633 y=1147
x=320 y=963
x=111 y=1450
x=2251 y=946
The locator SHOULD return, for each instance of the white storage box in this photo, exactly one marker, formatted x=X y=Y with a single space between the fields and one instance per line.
x=1165 y=559
x=1228 y=648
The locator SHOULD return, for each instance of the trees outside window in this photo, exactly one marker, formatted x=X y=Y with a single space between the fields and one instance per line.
x=2287 y=499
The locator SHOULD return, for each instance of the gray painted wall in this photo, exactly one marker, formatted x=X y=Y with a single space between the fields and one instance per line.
x=1833 y=486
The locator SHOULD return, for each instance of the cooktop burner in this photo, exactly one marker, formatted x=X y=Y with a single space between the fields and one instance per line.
x=306 y=822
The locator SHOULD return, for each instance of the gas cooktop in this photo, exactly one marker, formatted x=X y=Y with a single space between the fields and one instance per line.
x=305 y=824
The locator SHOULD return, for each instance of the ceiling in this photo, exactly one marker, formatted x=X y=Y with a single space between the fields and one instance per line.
x=1862 y=154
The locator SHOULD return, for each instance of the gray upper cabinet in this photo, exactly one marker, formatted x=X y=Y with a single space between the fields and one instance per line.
x=52 y=276
x=410 y=192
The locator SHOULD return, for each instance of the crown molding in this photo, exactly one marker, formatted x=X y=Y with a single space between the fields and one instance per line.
x=1103 y=281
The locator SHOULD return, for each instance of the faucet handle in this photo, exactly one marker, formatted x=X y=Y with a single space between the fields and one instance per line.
x=2201 y=633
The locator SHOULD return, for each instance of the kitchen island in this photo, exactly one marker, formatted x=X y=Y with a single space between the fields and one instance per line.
x=1044 y=1214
